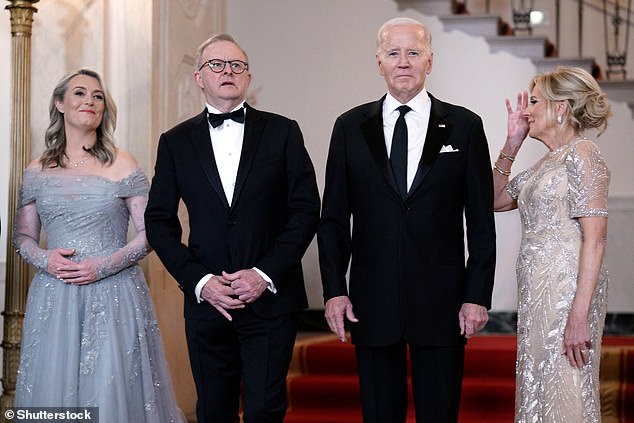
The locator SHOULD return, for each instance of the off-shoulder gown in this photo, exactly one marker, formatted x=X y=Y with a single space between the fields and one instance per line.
x=98 y=344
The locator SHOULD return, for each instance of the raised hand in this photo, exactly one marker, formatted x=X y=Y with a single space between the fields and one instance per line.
x=517 y=126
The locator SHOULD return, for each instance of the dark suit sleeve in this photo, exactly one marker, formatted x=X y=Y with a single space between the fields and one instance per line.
x=479 y=220
x=333 y=235
x=163 y=228
x=302 y=212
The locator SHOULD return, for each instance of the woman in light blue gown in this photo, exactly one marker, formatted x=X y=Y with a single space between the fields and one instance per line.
x=90 y=336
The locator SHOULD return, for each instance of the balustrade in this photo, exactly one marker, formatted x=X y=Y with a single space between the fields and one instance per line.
x=616 y=16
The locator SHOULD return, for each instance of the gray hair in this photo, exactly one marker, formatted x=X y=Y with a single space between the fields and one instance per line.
x=401 y=21
x=198 y=62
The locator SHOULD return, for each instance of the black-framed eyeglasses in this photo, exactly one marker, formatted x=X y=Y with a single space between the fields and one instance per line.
x=218 y=65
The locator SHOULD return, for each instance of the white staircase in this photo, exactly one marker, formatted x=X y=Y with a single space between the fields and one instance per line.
x=545 y=64
x=533 y=47
x=527 y=46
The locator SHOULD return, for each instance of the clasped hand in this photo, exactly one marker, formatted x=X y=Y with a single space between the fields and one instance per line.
x=231 y=291
x=77 y=273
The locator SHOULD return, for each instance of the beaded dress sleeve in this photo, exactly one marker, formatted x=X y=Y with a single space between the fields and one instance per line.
x=589 y=180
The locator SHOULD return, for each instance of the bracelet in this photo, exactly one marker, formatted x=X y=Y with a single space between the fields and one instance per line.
x=506 y=156
x=502 y=171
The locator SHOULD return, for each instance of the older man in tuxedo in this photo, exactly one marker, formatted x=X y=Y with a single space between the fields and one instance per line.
x=410 y=171
x=249 y=188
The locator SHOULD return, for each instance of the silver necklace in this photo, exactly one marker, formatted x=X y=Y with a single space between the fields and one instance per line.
x=78 y=163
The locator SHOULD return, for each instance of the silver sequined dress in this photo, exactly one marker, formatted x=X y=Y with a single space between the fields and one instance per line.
x=566 y=184
x=94 y=345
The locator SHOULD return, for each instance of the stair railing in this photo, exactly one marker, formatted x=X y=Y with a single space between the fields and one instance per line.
x=521 y=12
x=616 y=58
x=615 y=15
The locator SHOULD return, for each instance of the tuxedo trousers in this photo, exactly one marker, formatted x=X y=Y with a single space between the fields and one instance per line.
x=248 y=355
x=436 y=374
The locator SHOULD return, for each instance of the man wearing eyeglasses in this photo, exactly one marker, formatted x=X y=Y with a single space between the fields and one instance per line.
x=250 y=191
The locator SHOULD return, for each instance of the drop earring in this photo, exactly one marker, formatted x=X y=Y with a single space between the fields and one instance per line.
x=559 y=120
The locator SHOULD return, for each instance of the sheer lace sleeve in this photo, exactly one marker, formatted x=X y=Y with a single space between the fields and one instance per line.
x=134 y=189
x=515 y=185
x=134 y=250
x=27 y=225
x=588 y=181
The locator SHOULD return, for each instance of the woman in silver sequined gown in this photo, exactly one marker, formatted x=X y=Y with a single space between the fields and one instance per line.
x=90 y=336
x=562 y=282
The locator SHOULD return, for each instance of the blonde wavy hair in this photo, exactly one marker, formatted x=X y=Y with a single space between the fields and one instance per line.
x=588 y=106
x=55 y=137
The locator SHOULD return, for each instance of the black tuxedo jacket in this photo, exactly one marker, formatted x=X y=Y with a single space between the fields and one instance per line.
x=272 y=220
x=408 y=275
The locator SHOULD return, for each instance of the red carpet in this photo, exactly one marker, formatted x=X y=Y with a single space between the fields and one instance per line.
x=323 y=385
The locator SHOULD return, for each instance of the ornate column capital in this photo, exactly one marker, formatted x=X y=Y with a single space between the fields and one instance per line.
x=21 y=16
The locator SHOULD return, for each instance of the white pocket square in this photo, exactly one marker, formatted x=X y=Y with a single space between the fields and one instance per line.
x=448 y=149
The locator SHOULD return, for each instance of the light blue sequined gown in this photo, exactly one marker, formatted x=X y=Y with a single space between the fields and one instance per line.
x=566 y=184
x=97 y=344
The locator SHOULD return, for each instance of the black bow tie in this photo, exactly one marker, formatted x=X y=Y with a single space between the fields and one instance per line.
x=217 y=119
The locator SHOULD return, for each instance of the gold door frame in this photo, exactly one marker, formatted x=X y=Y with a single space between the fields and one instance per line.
x=17 y=270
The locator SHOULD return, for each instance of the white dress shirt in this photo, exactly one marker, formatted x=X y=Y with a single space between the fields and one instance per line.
x=226 y=141
x=417 y=121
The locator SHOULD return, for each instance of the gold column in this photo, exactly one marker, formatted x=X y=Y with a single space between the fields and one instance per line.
x=17 y=270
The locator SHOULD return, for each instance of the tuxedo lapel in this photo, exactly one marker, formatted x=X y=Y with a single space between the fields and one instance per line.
x=372 y=130
x=438 y=131
x=202 y=145
x=253 y=127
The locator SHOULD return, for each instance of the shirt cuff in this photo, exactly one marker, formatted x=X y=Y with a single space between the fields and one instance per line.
x=199 y=286
x=271 y=286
